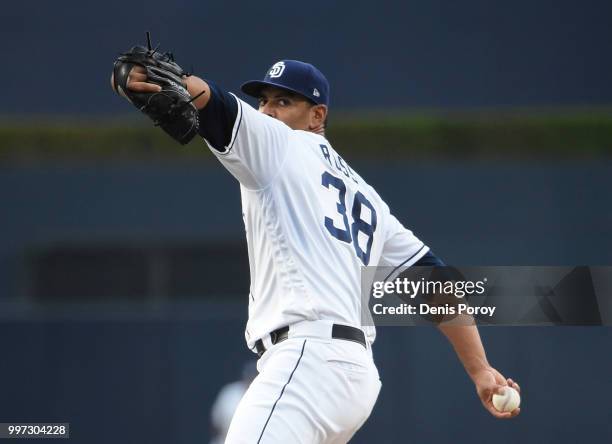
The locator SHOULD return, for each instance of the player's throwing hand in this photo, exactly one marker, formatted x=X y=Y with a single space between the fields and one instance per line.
x=489 y=382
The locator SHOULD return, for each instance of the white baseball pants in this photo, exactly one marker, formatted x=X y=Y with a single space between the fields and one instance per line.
x=309 y=390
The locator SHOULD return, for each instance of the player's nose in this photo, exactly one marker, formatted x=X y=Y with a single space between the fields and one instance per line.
x=267 y=110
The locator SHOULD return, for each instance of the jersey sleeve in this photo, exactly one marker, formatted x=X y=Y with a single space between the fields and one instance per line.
x=255 y=148
x=401 y=248
x=430 y=260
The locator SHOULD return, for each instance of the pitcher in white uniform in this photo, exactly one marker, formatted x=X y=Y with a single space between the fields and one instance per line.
x=311 y=223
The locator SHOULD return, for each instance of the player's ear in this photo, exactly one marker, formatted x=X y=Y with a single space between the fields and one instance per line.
x=318 y=114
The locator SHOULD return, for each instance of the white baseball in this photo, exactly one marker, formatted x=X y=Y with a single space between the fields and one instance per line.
x=507 y=402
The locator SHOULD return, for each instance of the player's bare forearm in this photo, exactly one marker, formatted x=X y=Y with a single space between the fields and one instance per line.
x=465 y=339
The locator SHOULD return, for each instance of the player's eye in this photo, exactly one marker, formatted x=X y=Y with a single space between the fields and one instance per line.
x=283 y=102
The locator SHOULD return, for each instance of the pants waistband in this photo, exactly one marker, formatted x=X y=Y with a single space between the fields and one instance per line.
x=316 y=329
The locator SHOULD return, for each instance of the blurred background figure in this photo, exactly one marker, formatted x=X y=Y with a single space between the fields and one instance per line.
x=226 y=402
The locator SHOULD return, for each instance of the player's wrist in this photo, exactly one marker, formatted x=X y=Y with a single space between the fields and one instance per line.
x=195 y=86
x=476 y=369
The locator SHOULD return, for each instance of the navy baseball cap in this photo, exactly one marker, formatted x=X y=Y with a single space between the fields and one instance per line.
x=293 y=75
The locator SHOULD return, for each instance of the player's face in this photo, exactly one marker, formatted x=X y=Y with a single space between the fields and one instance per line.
x=292 y=109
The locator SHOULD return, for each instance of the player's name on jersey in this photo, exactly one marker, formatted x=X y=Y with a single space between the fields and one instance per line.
x=427 y=309
x=337 y=162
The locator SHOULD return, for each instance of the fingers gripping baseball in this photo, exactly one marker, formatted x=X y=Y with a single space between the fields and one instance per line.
x=490 y=382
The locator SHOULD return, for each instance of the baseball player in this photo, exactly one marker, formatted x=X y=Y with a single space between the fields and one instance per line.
x=311 y=223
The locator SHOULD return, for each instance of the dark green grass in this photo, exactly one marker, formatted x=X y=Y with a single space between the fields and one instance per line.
x=471 y=135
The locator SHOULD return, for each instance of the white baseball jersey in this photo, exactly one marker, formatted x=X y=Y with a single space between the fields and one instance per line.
x=311 y=223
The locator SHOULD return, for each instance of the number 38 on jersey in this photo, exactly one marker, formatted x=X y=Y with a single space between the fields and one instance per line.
x=356 y=228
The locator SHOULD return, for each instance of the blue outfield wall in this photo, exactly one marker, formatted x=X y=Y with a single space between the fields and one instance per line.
x=470 y=214
x=474 y=53
x=130 y=373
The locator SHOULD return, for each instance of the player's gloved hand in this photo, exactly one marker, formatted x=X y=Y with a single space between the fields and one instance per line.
x=489 y=382
x=155 y=84
x=137 y=81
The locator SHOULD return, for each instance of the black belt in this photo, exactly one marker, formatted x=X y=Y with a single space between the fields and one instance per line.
x=338 y=332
